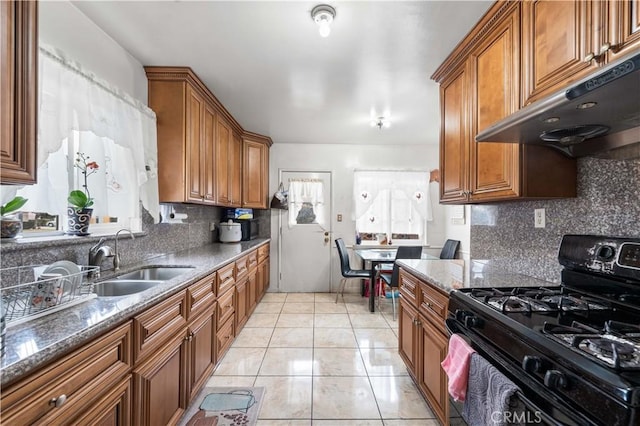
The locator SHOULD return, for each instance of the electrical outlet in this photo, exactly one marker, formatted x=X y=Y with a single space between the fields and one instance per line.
x=539 y=219
x=339 y=218
x=212 y=226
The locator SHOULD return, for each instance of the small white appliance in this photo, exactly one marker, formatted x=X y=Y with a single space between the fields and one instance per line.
x=230 y=232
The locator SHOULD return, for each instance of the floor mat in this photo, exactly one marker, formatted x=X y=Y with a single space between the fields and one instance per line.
x=231 y=406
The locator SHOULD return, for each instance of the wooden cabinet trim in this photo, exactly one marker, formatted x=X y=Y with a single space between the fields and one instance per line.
x=226 y=278
x=224 y=337
x=19 y=80
x=158 y=324
x=226 y=307
x=201 y=295
x=202 y=350
x=113 y=407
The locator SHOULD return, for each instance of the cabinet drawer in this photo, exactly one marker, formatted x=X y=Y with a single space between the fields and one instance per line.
x=79 y=377
x=252 y=260
x=242 y=267
x=225 y=308
x=226 y=279
x=433 y=305
x=224 y=338
x=263 y=252
x=201 y=295
x=409 y=287
x=156 y=325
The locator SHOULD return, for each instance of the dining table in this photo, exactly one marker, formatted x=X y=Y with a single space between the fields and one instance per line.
x=375 y=257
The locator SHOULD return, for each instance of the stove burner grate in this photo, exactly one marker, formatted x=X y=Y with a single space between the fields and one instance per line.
x=611 y=348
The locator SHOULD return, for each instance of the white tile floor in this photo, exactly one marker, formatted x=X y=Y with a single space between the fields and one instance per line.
x=324 y=364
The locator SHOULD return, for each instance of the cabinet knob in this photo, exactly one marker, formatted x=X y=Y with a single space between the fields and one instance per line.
x=589 y=57
x=59 y=401
x=605 y=48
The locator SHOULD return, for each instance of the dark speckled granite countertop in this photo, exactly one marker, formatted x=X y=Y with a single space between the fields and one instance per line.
x=449 y=275
x=35 y=343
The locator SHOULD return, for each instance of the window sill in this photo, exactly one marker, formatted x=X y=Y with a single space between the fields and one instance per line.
x=8 y=245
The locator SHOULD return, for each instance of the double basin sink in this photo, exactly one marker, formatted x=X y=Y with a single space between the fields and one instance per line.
x=138 y=280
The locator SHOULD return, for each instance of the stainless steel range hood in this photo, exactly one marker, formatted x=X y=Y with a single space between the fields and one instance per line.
x=594 y=116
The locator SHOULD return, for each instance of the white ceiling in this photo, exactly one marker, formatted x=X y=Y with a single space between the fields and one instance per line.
x=266 y=62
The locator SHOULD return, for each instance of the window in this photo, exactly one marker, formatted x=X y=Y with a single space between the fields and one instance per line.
x=114 y=189
x=392 y=205
x=77 y=112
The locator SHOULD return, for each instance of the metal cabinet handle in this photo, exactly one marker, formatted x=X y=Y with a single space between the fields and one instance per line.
x=589 y=57
x=605 y=48
x=59 y=401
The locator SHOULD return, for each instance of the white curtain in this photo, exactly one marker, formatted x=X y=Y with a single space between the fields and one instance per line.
x=74 y=103
x=307 y=194
x=369 y=185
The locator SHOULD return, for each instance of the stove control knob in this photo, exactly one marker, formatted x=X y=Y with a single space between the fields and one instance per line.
x=532 y=364
x=606 y=253
x=472 y=321
x=554 y=379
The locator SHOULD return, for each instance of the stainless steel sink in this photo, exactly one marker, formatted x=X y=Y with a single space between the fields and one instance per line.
x=156 y=273
x=123 y=287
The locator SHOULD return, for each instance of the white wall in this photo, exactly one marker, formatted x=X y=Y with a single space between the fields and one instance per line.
x=342 y=160
x=63 y=26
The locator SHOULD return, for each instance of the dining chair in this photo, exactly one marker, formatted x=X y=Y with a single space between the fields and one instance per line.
x=449 y=249
x=345 y=268
x=393 y=279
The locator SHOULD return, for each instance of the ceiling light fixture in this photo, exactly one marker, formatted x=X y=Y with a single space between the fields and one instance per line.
x=323 y=15
x=381 y=122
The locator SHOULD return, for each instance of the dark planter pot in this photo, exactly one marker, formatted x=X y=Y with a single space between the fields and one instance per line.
x=11 y=226
x=78 y=221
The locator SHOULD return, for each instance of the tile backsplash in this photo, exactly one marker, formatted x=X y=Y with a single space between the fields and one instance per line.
x=161 y=238
x=608 y=203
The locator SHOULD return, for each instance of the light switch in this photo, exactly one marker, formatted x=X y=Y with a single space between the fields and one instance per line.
x=339 y=218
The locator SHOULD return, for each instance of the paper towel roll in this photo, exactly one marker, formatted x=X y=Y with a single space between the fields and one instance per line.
x=178 y=216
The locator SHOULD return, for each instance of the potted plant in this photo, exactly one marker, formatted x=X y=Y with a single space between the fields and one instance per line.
x=11 y=224
x=79 y=210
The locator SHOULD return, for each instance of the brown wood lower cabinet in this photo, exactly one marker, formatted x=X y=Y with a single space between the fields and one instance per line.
x=147 y=370
x=202 y=349
x=423 y=341
x=160 y=385
x=74 y=384
x=241 y=304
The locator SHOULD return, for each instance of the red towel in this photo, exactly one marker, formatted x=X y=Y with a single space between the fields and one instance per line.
x=456 y=365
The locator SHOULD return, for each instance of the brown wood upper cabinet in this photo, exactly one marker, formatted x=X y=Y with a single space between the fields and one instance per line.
x=200 y=145
x=255 y=179
x=479 y=84
x=564 y=41
x=18 y=89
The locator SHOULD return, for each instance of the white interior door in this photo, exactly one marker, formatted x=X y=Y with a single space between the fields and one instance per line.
x=305 y=233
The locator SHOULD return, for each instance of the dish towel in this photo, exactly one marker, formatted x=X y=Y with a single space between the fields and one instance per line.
x=456 y=365
x=489 y=395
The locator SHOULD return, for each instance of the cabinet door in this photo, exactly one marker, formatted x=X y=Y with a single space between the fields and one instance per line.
x=241 y=304
x=159 y=384
x=209 y=151
x=202 y=351
x=263 y=279
x=557 y=37
x=255 y=174
x=408 y=337
x=624 y=28
x=495 y=65
x=195 y=152
x=433 y=379
x=454 y=137
x=223 y=144
x=235 y=170
x=252 y=290
x=18 y=89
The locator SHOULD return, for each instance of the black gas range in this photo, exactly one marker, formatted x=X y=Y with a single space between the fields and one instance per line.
x=573 y=349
